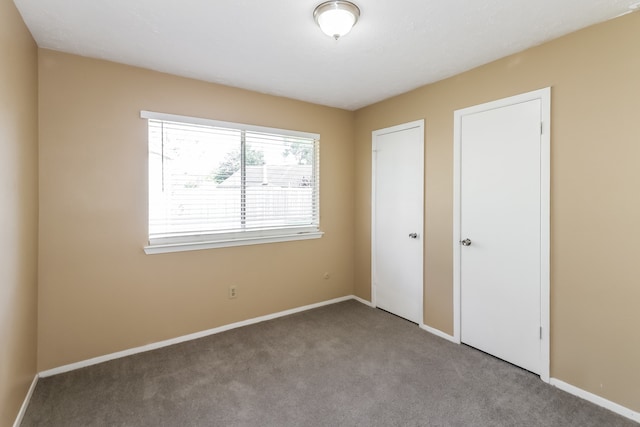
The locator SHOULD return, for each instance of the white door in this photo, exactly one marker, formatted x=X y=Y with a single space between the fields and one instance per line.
x=397 y=220
x=500 y=231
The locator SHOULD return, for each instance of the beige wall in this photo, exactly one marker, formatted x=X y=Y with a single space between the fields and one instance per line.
x=98 y=292
x=18 y=210
x=595 y=206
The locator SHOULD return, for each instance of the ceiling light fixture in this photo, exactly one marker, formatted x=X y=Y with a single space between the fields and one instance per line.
x=336 y=18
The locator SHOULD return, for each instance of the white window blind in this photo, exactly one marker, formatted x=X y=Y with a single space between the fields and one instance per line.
x=213 y=181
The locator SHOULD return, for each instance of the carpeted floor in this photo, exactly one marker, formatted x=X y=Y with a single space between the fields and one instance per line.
x=340 y=365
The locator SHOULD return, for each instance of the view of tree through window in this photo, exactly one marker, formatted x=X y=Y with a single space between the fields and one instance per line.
x=206 y=180
x=231 y=163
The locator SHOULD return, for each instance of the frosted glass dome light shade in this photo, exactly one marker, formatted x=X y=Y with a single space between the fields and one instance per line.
x=336 y=18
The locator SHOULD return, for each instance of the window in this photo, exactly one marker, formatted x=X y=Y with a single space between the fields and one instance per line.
x=215 y=184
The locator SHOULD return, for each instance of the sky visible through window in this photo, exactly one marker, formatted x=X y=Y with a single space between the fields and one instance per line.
x=197 y=184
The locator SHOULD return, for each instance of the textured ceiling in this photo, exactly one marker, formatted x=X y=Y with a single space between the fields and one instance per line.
x=275 y=47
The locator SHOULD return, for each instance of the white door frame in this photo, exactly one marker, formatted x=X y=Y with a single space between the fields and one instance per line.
x=398 y=128
x=544 y=95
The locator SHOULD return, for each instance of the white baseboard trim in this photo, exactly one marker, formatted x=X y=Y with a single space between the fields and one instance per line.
x=363 y=301
x=25 y=404
x=189 y=337
x=439 y=333
x=594 y=398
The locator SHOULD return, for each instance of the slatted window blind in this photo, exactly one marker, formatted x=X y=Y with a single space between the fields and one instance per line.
x=211 y=181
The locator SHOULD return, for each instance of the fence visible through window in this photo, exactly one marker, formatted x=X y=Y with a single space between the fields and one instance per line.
x=213 y=180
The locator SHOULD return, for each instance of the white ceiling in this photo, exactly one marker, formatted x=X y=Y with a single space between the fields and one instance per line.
x=275 y=47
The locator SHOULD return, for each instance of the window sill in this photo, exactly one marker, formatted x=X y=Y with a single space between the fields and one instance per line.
x=196 y=246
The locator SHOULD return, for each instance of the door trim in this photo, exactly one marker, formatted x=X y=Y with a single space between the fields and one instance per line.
x=398 y=128
x=544 y=95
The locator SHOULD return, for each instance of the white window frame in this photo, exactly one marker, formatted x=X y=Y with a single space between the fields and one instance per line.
x=221 y=240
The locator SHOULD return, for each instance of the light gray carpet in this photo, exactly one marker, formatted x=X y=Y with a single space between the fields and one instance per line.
x=341 y=365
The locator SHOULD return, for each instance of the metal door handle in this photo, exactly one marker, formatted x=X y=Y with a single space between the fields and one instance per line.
x=465 y=242
x=413 y=235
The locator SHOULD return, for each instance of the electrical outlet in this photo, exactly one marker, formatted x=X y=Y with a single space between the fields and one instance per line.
x=233 y=292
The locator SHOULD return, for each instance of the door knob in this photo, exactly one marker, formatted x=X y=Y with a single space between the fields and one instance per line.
x=465 y=242
x=413 y=235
